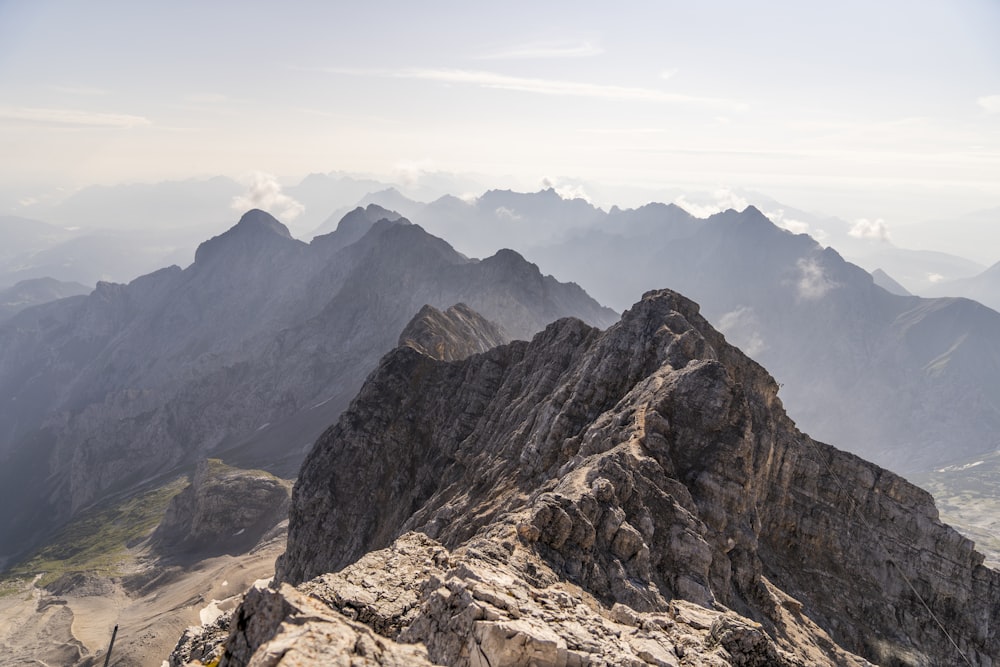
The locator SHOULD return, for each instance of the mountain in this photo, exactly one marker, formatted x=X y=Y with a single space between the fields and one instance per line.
x=889 y=376
x=248 y=354
x=874 y=245
x=33 y=292
x=907 y=382
x=888 y=283
x=969 y=234
x=158 y=206
x=495 y=219
x=984 y=287
x=21 y=237
x=630 y=496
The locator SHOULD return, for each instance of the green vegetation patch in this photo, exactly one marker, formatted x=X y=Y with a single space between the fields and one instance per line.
x=97 y=540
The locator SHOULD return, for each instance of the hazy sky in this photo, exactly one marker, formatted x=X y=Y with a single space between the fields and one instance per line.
x=887 y=109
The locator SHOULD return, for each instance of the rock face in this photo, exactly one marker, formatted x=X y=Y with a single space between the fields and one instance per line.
x=644 y=479
x=246 y=355
x=223 y=510
x=455 y=334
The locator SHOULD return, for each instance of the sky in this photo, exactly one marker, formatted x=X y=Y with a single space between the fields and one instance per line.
x=884 y=110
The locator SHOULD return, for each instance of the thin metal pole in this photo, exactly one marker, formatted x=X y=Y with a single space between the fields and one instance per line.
x=107 y=657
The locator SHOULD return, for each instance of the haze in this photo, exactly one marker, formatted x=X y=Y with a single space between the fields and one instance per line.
x=885 y=110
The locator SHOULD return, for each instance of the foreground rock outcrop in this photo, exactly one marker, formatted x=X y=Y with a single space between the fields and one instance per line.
x=633 y=496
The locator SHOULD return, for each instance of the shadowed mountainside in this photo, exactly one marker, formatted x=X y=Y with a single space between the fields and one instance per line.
x=247 y=354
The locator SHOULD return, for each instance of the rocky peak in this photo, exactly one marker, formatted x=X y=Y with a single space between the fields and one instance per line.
x=356 y=224
x=256 y=230
x=648 y=468
x=222 y=510
x=451 y=335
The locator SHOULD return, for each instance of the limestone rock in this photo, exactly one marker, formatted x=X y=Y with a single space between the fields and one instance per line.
x=223 y=510
x=288 y=629
x=647 y=466
x=451 y=335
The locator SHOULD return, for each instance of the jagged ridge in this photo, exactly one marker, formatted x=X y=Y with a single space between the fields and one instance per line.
x=647 y=463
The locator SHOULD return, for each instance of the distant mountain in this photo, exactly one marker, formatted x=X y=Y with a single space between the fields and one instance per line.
x=969 y=234
x=905 y=381
x=109 y=255
x=888 y=283
x=984 y=287
x=887 y=376
x=29 y=293
x=149 y=206
x=496 y=219
x=875 y=245
x=248 y=354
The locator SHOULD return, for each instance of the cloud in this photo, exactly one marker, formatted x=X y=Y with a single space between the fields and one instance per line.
x=864 y=228
x=794 y=226
x=72 y=117
x=934 y=277
x=669 y=73
x=493 y=80
x=723 y=200
x=813 y=283
x=409 y=172
x=567 y=190
x=742 y=328
x=991 y=103
x=546 y=50
x=505 y=213
x=264 y=192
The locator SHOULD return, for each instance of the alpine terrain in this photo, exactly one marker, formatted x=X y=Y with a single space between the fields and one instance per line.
x=632 y=496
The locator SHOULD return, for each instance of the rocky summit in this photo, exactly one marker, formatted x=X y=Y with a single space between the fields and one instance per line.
x=635 y=496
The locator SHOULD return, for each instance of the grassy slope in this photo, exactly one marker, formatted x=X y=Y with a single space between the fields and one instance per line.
x=97 y=540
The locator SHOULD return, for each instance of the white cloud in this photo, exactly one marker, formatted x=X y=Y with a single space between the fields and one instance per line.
x=864 y=228
x=409 y=172
x=813 y=283
x=723 y=199
x=546 y=50
x=505 y=213
x=794 y=226
x=742 y=328
x=991 y=103
x=567 y=190
x=72 y=117
x=669 y=73
x=934 y=277
x=264 y=192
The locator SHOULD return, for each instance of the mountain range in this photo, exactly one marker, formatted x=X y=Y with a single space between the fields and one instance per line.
x=910 y=383
x=250 y=353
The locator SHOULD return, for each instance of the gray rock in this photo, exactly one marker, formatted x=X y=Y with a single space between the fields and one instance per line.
x=644 y=466
x=223 y=510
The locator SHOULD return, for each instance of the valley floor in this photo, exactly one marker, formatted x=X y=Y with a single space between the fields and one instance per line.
x=37 y=627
